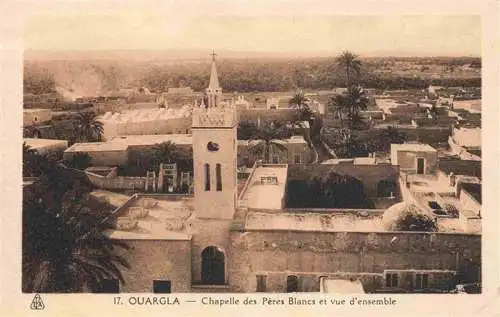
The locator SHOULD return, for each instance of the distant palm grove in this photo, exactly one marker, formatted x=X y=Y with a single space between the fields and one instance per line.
x=245 y=75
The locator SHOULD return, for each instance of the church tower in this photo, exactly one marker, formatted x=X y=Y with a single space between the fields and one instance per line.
x=215 y=186
x=214 y=154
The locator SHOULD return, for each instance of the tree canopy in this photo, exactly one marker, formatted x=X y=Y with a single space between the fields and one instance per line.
x=332 y=190
x=65 y=248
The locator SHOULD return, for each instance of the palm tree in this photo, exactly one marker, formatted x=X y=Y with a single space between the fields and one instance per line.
x=89 y=128
x=350 y=63
x=169 y=153
x=336 y=106
x=65 y=248
x=267 y=135
x=303 y=111
x=356 y=100
x=298 y=99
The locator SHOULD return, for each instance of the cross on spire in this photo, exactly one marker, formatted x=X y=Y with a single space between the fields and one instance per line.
x=213 y=55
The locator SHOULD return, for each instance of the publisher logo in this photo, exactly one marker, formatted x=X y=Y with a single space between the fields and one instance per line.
x=37 y=303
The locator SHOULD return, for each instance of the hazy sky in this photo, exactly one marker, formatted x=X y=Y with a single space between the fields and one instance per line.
x=158 y=30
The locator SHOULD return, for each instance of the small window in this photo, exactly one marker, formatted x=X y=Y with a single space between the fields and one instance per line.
x=292 y=284
x=207 y=177
x=297 y=159
x=421 y=281
x=218 y=177
x=109 y=286
x=162 y=287
x=391 y=280
x=261 y=283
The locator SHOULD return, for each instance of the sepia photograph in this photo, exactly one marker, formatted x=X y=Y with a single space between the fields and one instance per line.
x=171 y=153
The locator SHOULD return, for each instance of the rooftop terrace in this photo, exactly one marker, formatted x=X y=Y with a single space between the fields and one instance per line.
x=154 y=217
x=326 y=222
x=265 y=188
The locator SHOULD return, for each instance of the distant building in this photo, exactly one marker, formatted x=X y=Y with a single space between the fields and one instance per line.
x=414 y=158
x=101 y=153
x=146 y=122
x=125 y=150
x=36 y=116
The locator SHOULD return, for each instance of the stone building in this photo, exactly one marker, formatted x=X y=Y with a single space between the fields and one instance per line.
x=239 y=236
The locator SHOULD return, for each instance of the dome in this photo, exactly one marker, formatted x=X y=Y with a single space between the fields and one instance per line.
x=395 y=211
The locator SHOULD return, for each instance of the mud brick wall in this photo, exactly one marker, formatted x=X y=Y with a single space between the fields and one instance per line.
x=313 y=254
x=157 y=260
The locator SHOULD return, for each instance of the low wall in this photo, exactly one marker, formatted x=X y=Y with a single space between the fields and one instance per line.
x=119 y=182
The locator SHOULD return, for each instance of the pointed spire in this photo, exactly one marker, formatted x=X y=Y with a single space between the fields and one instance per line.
x=214 y=79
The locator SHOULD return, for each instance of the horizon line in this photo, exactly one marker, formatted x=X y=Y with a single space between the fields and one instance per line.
x=309 y=54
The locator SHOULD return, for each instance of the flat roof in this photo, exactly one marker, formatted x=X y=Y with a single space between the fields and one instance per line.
x=97 y=147
x=145 y=114
x=311 y=221
x=262 y=192
x=41 y=143
x=152 y=139
x=163 y=218
x=415 y=147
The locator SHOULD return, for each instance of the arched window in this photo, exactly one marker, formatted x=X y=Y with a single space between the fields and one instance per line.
x=207 y=176
x=212 y=266
x=292 y=284
x=218 y=176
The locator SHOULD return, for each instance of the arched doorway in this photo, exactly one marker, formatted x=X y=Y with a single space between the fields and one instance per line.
x=212 y=266
x=292 y=284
